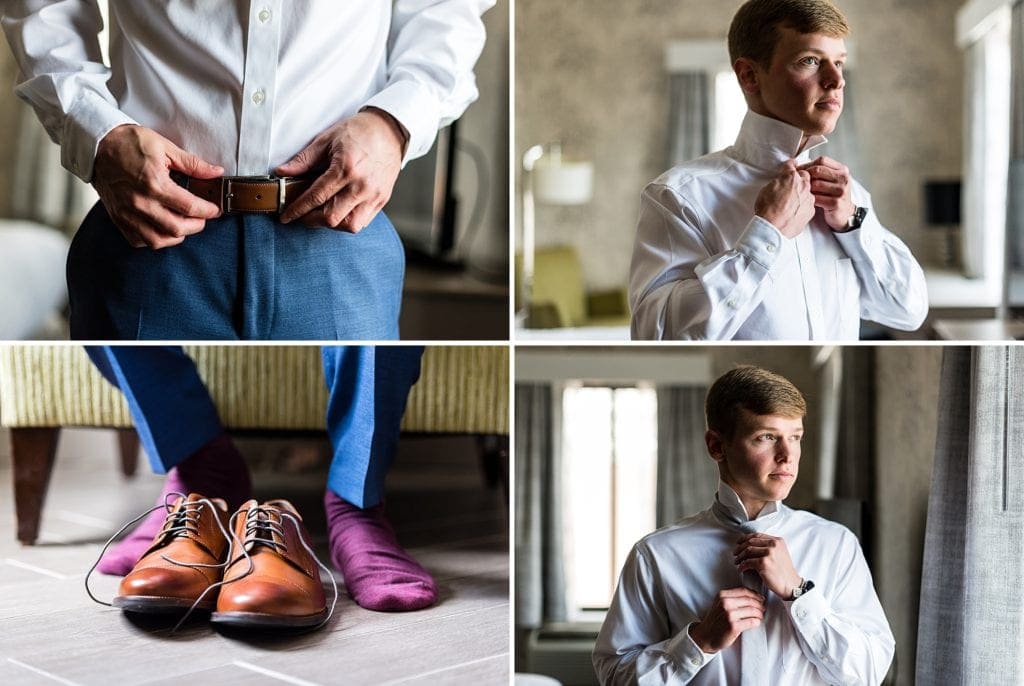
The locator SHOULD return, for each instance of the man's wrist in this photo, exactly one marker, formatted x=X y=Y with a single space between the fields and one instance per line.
x=699 y=641
x=396 y=126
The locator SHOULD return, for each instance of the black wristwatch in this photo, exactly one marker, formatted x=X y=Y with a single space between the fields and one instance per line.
x=802 y=588
x=859 y=213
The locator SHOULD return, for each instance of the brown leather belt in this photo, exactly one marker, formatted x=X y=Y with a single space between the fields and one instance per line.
x=267 y=194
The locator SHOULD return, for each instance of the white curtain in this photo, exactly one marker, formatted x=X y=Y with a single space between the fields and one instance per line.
x=971 y=625
x=986 y=158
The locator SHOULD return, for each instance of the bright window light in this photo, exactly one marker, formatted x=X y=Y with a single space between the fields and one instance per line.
x=730 y=108
x=610 y=463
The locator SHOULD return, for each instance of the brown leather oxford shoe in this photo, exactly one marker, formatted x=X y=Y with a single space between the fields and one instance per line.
x=185 y=559
x=273 y=579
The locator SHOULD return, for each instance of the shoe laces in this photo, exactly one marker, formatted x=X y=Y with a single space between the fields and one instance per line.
x=260 y=529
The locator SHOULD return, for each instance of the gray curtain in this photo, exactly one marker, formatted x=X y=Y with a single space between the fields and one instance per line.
x=1015 y=196
x=540 y=575
x=42 y=190
x=689 y=123
x=687 y=477
x=971 y=625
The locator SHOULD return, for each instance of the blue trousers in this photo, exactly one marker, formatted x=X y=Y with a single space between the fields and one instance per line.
x=368 y=388
x=242 y=277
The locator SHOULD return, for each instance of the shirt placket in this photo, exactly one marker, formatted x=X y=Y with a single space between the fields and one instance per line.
x=259 y=87
x=811 y=284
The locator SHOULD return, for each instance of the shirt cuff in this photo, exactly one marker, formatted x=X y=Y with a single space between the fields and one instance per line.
x=685 y=649
x=762 y=243
x=864 y=244
x=415 y=109
x=808 y=613
x=89 y=119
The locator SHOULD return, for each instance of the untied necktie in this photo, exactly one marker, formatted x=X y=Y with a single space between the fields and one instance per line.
x=754 y=641
x=754 y=667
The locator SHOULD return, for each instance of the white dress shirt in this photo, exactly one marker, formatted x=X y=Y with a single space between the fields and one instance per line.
x=705 y=267
x=244 y=85
x=834 y=634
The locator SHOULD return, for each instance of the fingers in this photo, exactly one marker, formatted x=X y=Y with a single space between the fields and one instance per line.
x=824 y=161
x=323 y=189
x=304 y=161
x=179 y=200
x=739 y=592
x=192 y=165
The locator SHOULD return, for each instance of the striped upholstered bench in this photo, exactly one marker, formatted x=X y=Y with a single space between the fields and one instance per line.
x=462 y=390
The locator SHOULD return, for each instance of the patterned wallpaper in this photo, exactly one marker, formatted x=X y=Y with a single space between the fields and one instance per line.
x=590 y=74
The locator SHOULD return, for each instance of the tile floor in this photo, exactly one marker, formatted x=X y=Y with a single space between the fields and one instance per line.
x=51 y=633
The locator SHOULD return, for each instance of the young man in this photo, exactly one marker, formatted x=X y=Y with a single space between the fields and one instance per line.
x=760 y=241
x=748 y=591
x=201 y=102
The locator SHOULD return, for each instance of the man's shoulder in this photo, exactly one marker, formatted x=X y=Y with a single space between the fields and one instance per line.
x=690 y=176
x=818 y=525
x=672 y=534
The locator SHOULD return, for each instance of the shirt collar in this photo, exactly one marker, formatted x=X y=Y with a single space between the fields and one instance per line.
x=766 y=143
x=728 y=499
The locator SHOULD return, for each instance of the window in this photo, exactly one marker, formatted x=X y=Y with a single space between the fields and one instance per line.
x=609 y=487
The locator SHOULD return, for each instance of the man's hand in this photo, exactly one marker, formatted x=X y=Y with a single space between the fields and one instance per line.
x=830 y=184
x=734 y=611
x=786 y=202
x=132 y=177
x=769 y=557
x=359 y=158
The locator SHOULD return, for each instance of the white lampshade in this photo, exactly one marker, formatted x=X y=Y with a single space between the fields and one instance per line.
x=561 y=182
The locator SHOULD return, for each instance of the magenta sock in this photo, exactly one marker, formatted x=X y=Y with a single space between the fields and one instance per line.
x=378 y=573
x=217 y=470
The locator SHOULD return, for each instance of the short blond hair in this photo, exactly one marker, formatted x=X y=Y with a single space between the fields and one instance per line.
x=756 y=390
x=754 y=32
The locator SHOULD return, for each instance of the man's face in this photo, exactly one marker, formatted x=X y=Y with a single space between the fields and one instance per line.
x=804 y=84
x=760 y=461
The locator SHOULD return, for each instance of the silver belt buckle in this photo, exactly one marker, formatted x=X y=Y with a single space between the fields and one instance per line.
x=226 y=192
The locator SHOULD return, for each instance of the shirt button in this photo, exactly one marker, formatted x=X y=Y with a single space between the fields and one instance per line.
x=770 y=247
x=801 y=613
x=264 y=15
x=258 y=96
x=695 y=661
x=732 y=304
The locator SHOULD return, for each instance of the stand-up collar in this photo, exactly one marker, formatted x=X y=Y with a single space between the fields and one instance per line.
x=767 y=143
x=729 y=508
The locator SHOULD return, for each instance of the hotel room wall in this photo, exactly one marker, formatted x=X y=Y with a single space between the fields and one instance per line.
x=906 y=415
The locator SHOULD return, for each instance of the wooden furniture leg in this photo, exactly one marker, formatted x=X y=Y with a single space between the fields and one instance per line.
x=32 y=453
x=128 y=441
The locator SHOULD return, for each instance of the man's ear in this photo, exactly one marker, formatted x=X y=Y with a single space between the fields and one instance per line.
x=713 y=440
x=746 y=73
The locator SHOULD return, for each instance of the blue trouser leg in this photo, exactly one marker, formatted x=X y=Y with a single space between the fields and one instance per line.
x=242 y=277
x=368 y=387
x=172 y=410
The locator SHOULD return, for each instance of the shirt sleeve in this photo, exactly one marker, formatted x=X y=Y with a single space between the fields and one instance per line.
x=635 y=644
x=62 y=74
x=892 y=284
x=840 y=624
x=683 y=288
x=432 y=47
